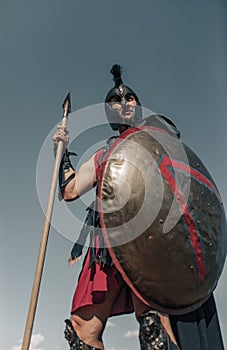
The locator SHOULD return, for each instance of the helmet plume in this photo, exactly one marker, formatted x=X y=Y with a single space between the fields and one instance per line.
x=116 y=71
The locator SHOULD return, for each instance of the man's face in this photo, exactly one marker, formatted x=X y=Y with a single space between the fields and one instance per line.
x=125 y=108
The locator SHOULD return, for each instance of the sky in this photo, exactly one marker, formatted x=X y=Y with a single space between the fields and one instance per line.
x=174 y=56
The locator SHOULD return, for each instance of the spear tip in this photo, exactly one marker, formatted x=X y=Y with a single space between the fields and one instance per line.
x=67 y=103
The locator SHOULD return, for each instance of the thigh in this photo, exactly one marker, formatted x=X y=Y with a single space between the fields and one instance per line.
x=100 y=311
x=89 y=321
x=139 y=306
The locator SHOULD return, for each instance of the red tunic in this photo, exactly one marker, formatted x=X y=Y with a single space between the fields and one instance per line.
x=95 y=281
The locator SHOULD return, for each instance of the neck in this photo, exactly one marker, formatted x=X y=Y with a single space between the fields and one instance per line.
x=122 y=128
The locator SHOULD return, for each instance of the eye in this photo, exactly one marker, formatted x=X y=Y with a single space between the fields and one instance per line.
x=115 y=99
x=129 y=98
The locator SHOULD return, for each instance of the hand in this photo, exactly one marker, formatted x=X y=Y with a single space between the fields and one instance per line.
x=71 y=261
x=62 y=134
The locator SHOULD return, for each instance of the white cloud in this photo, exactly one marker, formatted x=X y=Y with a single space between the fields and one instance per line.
x=36 y=339
x=111 y=325
x=131 y=334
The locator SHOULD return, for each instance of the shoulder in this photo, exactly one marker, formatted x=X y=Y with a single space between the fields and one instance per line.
x=97 y=157
x=161 y=121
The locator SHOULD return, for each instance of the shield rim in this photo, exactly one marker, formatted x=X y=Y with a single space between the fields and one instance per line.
x=125 y=277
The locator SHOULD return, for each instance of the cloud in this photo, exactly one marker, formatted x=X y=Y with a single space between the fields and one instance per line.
x=131 y=334
x=36 y=339
x=110 y=324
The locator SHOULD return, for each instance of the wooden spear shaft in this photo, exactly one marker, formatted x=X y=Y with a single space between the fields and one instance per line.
x=43 y=243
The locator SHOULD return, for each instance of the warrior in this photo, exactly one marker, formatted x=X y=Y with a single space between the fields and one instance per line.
x=101 y=291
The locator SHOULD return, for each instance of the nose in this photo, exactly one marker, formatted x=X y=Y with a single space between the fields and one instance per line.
x=123 y=101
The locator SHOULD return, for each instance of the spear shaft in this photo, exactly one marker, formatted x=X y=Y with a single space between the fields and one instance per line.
x=43 y=243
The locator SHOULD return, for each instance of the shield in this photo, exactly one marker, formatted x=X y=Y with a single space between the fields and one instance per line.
x=162 y=219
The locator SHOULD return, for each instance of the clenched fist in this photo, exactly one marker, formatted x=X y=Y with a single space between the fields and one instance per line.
x=62 y=134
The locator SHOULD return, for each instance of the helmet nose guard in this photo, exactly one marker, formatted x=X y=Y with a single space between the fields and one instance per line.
x=120 y=90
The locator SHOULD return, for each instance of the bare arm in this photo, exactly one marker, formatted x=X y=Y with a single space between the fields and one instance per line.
x=84 y=180
x=85 y=177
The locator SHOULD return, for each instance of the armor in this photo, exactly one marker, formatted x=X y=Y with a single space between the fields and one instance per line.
x=63 y=169
x=151 y=334
x=162 y=219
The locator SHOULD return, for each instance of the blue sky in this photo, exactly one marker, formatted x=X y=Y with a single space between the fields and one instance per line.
x=174 y=56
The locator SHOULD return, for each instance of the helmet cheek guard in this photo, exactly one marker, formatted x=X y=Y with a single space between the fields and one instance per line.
x=112 y=116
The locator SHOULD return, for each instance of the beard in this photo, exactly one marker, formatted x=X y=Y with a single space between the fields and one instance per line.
x=127 y=115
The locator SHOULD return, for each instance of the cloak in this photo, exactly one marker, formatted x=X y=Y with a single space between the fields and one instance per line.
x=199 y=329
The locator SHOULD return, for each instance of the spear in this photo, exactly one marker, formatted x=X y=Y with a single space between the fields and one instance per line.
x=43 y=243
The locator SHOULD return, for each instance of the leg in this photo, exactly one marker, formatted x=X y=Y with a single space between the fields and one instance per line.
x=155 y=328
x=88 y=323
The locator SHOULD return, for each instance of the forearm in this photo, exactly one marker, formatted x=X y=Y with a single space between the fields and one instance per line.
x=72 y=185
x=70 y=193
x=67 y=177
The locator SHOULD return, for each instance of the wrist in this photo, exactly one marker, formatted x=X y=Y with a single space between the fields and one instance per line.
x=65 y=167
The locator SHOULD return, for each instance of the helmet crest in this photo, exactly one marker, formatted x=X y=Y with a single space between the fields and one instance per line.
x=117 y=70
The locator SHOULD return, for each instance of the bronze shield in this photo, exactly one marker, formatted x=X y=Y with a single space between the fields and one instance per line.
x=162 y=219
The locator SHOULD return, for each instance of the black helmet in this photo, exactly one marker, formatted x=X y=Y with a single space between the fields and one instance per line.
x=122 y=91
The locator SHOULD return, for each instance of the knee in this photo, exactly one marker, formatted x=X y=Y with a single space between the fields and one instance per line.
x=93 y=329
x=88 y=330
x=80 y=339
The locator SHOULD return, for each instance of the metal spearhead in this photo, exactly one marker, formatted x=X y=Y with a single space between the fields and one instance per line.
x=66 y=105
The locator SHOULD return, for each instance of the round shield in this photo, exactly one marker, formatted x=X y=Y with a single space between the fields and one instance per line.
x=162 y=219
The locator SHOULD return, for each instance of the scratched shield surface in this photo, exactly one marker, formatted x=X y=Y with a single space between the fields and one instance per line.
x=162 y=219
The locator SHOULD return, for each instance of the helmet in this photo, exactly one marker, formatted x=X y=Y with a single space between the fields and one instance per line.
x=122 y=91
